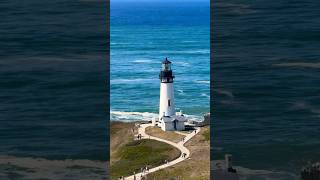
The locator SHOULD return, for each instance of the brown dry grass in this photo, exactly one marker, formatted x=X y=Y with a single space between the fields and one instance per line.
x=167 y=135
x=196 y=168
x=120 y=134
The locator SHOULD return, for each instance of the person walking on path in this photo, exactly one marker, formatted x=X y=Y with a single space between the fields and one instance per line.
x=139 y=136
x=134 y=175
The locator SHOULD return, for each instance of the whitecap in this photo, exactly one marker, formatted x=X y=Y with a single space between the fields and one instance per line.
x=143 y=61
x=181 y=92
x=205 y=95
x=202 y=81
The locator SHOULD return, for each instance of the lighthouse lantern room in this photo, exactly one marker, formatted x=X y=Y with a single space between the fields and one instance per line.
x=168 y=119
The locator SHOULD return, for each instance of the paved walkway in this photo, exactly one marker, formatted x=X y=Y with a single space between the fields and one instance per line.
x=179 y=145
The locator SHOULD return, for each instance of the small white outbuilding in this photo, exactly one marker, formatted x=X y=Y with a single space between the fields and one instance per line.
x=172 y=123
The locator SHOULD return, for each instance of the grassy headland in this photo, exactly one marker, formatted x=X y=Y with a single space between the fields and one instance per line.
x=128 y=156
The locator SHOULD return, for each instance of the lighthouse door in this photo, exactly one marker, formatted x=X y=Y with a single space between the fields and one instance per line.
x=175 y=124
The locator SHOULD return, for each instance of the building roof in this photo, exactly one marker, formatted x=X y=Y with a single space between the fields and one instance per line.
x=173 y=118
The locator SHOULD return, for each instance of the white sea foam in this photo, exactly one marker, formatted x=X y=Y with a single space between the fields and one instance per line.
x=190 y=41
x=132 y=116
x=181 y=92
x=181 y=63
x=202 y=81
x=142 y=116
x=143 y=61
x=205 y=95
x=193 y=117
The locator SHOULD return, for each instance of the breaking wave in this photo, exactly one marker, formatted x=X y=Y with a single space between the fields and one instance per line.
x=205 y=95
x=142 y=116
x=143 y=61
x=132 y=116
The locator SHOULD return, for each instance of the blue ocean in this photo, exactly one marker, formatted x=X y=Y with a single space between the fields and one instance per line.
x=142 y=35
x=266 y=85
x=53 y=61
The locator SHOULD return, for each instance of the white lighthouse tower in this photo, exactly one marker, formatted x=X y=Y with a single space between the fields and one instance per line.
x=168 y=120
x=167 y=106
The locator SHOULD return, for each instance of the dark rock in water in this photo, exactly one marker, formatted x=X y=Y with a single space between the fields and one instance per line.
x=221 y=174
x=205 y=122
x=223 y=170
x=311 y=172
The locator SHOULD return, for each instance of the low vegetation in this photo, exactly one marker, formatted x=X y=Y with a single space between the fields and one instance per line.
x=121 y=133
x=167 y=135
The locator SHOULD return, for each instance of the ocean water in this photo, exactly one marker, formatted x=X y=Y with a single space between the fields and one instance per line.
x=266 y=90
x=53 y=83
x=142 y=35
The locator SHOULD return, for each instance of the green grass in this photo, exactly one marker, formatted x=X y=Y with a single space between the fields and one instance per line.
x=137 y=154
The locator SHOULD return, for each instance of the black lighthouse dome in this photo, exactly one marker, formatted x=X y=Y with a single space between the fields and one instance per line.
x=166 y=72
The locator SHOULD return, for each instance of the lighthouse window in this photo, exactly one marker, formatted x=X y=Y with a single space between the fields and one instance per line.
x=169 y=102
